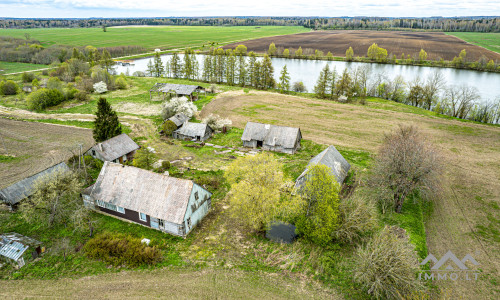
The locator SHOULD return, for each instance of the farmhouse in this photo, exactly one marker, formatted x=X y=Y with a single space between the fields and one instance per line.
x=154 y=200
x=25 y=188
x=120 y=148
x=179 y=119
x=162 y=91
x=193 y=131
x=272 y=137
x=331 y=158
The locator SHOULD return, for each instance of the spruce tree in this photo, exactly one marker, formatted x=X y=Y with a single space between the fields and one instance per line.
x=284 y=84
x=158 y=65
x=106 y=60
x=106 y=124
x=320 y=89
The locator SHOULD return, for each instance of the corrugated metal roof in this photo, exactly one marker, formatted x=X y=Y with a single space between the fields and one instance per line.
x=115 y=147
x=12 y=249
x=154 y=194
x=24 y=188
x=179 y=89
x=193 y=129
x=331 y=158
x=179 y=119
x=272 y=135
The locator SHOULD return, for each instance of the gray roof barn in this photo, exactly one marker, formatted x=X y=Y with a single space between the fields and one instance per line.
x=272 y=137
x=115 y=147
x=195 y=131
x=179 y=119
x=178 y=89
x=24 y=188
x=331 y=158
x=154 y=194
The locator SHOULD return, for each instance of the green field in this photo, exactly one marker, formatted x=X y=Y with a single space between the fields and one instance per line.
x=490 y=41
x=163 y=37
x=11 y=67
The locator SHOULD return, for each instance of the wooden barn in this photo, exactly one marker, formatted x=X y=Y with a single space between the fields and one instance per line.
x=162 y=91
x=119 y=149
x=179 y=119
x=193 y=132
x=153 y=200
x=331 y=158
x=20 y=190
x=272 y=137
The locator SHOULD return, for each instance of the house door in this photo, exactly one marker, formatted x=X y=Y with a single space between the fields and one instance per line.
x=154 y=223
x=121 y=159
x=259 y=143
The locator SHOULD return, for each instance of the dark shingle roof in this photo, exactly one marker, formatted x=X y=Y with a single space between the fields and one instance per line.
x=193 y=129
x=273 y=135
x=24 y=188
x=115 y=147
x=179 y=89
x=331 y=158
x=144 y=191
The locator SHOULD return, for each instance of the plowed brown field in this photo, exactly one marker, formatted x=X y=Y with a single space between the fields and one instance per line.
x=36 y=147
x=436 y=44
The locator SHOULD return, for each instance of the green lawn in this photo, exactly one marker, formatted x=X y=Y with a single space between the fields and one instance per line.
x=490 y=40
x=163 y=37
x=11 y=67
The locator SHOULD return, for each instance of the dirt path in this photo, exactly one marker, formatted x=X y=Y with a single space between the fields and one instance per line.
x=471 y=154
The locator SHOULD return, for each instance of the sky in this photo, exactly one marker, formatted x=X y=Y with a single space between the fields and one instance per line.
x=193 y=8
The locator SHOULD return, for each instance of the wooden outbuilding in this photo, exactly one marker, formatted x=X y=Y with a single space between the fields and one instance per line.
x=150 y=199
x=179 y=119
x=20 y=190
x=272 y=137
x=119 y=149
x=193 y=132
x=331 y=158
x=162 y=91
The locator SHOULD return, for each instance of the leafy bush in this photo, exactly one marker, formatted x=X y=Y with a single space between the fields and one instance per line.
x=299 y=87
x=43 y=98
x=165 y=165
x=55 y=83
x=100 y=87
x=121 y=83
x=70 y=93
x=169 y=127
x=178 y=105
x=121 y=249
x=357 y=217
x=8 y=87
x=28 y=77
x=216 y=122
x=84 y=83
x=82 y=96
x=138 y=74
x=388 y=265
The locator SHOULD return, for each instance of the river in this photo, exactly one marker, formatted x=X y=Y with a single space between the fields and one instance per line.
x=307 y=71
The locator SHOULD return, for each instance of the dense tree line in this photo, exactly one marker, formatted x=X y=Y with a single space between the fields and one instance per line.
x=474 y=24
x=31 y=51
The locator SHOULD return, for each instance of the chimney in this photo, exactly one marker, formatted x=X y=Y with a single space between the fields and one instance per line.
x=100 y=146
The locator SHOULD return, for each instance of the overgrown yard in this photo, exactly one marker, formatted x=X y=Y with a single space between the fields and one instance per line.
x=227 y=259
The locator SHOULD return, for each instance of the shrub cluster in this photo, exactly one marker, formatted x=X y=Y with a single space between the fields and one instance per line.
x=8 y=87
x=121 y=249
x=43 y=98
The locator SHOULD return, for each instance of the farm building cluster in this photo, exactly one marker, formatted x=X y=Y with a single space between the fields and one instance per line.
x=163 y=91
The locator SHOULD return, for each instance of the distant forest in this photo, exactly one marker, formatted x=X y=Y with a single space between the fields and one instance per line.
x=461 y=24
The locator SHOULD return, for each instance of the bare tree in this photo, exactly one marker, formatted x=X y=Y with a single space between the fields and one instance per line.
x=406 y=163
x=432 y=87
x=467 y=96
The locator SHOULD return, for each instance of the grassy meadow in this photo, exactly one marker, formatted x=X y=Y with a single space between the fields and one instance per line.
x=490 y=40
x=163 y=37
x=14 y=67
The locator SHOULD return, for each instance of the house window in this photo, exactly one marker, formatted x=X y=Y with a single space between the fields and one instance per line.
x=161 y=223
x=189 y=222
x=143 y=217
x=120 y=209
x=196 y=195
x=93 y=152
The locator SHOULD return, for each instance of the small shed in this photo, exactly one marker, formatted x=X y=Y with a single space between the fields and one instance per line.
x=150 y=199
x=13 y=246
x=272 y=137
x=331 y=158
x=162 y=91
x=179 y=119
x=24 y=188
x=120 y=148
x=193 y=132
